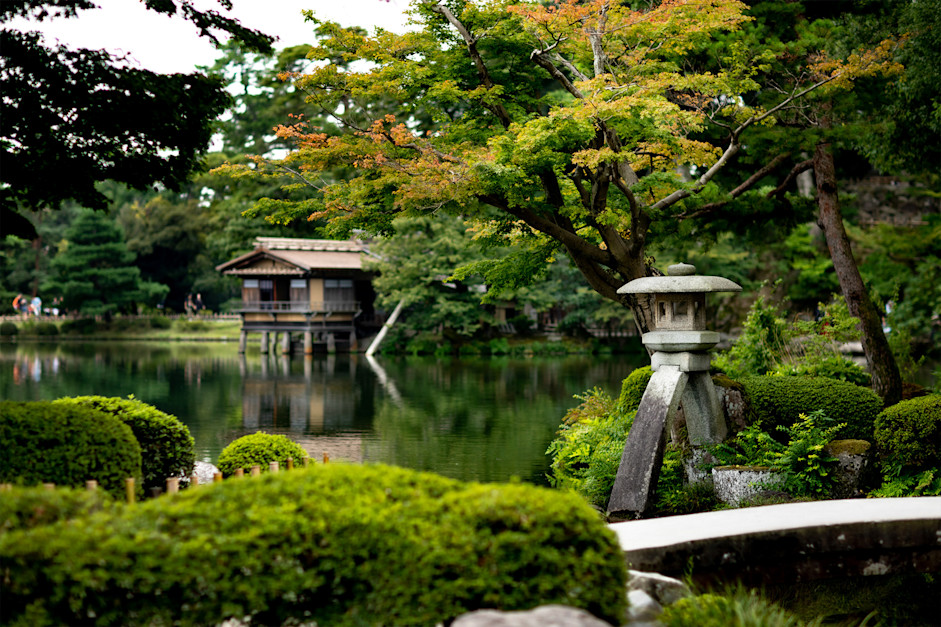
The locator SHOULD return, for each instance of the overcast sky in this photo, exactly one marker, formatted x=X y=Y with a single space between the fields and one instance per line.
x=163 y=44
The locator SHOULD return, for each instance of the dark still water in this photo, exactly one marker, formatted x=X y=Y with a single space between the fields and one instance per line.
x=485 y=419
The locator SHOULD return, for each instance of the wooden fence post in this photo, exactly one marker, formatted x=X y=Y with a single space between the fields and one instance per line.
x=129 y=490
x=256 y=470
x=217 y=477
x=239 y=472
x=326 y=457
x=290 y=463
x=91 y=484
x=273 y=467
x=173 y=485
x=194 y=480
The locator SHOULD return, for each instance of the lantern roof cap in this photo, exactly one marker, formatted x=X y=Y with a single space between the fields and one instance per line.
x=681 y=279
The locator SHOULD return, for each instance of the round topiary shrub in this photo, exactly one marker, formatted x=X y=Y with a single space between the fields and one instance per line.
x=632 y=389
x=46 y=328
x=258 y=449
x=335 y=544
x=46 y=442
x=160 y=322
x=909 y=433
x=778 y=400
x=8 y=328
x=167 y=448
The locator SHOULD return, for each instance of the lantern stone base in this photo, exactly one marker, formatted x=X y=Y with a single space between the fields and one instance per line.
x=685 y=361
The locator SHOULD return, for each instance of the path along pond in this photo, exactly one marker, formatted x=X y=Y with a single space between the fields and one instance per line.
x=483 y=419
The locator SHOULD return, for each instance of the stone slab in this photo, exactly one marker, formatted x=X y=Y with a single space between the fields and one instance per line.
x=704 y=420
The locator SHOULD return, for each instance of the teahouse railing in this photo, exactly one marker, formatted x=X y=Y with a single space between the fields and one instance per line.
x=299 y=306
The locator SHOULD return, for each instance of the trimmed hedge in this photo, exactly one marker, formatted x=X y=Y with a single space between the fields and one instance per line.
x=336 y=544
x=26 y=508
x=167 y=448
x=633 y=388
x=8 y=328
x=909 y=433
x=258 y=449
x=778 y=401
x=46 y=442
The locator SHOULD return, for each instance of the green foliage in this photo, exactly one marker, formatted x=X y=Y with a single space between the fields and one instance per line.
x=167 y=448
x=259 y=449
x=29 y=507
x=807 y=468
x=94 y=273
x=335 y=544
x=633 y=388
x=777 y=401
x=8 y=328
x=909 y=433
x=48 y=442
x=83 y=326
x=770 y=344
x=160 y=322
x=738 y=607
x=587 y=450
x=897 y=482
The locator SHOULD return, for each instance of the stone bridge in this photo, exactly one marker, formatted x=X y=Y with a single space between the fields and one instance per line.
x=792 y=542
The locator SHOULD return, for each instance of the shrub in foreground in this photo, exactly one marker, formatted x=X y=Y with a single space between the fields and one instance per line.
x=737 y=608
x=778 y=401
x=167 y=448
x=29 y=507
x=46 y=442
x=258 y=449
x=336 y=544
x=633 y=388
x=8 y=328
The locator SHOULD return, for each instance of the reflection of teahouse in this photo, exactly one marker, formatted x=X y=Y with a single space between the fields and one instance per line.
x=314 y=287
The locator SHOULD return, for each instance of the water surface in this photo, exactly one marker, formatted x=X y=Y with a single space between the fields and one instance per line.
x=487 y=419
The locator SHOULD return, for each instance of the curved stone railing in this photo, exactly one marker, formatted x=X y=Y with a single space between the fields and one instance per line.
x=790 y=542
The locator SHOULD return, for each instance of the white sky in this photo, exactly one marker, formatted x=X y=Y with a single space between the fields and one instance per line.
x=166 y=45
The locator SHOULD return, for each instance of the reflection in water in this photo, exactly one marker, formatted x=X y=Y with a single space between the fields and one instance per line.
x=483 y=419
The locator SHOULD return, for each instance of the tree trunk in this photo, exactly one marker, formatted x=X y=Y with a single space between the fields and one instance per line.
x=886 y=380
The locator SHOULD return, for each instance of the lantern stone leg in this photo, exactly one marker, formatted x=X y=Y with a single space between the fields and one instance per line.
x=643 y=452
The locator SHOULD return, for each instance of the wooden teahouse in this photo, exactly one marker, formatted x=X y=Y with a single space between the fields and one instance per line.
x=316 y=288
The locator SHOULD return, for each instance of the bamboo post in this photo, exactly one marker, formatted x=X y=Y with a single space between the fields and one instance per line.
x=306 y=462
x=129 y=490
x=290 y=465
x=239 y=472
x=256 y=470
x=49 y=486
x=173 y=485
x=217 y=477
x=91 y=484
x=273 y=467
x=194 y=480
x=326 y=457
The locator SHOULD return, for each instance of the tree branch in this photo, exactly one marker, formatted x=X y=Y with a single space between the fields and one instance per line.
x=498 y=109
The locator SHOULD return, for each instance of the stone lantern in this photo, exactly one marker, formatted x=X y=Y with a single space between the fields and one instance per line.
x=680 y=361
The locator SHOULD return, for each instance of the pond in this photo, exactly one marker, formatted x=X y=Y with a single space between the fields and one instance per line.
x=485 y=419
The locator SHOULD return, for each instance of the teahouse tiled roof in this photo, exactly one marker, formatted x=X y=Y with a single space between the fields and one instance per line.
x=296 y=257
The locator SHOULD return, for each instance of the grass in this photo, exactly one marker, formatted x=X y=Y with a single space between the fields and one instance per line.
x=124 y=329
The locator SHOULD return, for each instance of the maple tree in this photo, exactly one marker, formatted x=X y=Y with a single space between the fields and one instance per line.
x=576 y=121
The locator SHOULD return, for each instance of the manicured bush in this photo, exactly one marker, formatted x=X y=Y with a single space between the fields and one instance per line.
x=167 y=448
x=46 y=442
x=778 y=401
x=84 y=326
x=46 y=328
x=258 y=449
x=337 y=544
x=26 y=508
x=632 y=389
x=8 y=328
x=160 y=322
x=909 y=433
